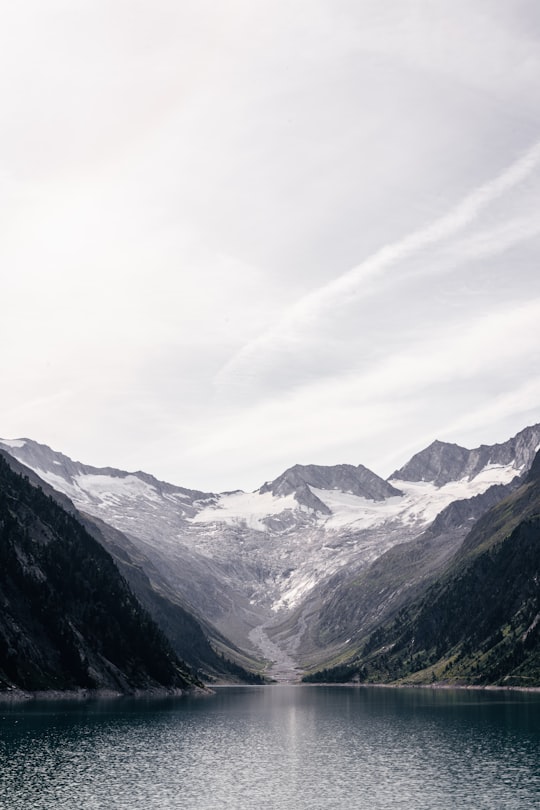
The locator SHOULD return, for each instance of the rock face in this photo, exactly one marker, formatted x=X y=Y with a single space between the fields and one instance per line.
x=534 y=471
x=293 y=556
x=345 y=478
x=442 y=462
x=69 y=620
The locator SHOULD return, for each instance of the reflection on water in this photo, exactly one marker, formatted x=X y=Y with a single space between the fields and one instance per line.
x=276 y=747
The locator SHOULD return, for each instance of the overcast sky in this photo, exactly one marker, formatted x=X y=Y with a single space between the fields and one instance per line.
x=242 y=234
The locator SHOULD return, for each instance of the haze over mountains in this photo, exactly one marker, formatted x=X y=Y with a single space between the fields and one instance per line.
x=308 y=563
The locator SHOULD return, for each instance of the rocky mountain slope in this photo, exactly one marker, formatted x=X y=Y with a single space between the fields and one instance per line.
x=338 y=616
x=208 y=653
x=442 y=462
x=281 y=567
x=479 y=622
x=69 y=620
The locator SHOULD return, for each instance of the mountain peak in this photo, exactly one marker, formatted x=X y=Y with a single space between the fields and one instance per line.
x=344 y=477
x=50 y=463
x=442 y=462
x=438 y=463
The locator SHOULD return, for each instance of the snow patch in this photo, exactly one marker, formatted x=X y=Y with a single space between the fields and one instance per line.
x=494 y=474
x=420 y=503
x=59 y=483
x=127 y=486
x=424 y=500
x=13 y=442
x=352 y=510
x=247 y=508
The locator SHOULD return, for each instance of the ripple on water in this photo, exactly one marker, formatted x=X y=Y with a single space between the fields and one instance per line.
x=276 y=747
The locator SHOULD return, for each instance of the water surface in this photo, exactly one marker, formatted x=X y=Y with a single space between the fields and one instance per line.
x=294 y=747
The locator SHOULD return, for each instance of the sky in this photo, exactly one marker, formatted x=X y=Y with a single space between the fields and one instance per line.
x=240 y=235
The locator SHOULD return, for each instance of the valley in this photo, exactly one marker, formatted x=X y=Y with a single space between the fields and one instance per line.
x=271 y=571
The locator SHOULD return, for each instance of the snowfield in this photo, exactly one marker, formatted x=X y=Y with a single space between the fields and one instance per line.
x=250 y=509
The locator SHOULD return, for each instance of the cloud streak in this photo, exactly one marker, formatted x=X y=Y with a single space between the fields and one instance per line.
x=305 y=312
x=494 y=351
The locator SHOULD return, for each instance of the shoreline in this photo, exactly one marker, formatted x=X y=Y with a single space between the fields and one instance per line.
x=22 y=696
x=79 y=695
x=436 y=686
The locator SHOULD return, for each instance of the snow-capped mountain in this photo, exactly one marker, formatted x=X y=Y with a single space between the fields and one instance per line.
x=245 y=559
x=302 y=480
x=442 y=462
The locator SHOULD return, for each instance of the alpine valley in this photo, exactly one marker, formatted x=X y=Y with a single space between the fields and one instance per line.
x=328 y=573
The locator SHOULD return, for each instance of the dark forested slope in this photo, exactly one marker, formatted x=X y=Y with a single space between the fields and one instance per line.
x=68 y=619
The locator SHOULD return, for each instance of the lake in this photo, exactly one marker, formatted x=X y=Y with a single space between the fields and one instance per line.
x=291 y=747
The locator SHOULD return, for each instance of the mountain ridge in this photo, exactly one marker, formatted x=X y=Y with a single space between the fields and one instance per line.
x=458 y=462
x=250 y=562
x=441 y=462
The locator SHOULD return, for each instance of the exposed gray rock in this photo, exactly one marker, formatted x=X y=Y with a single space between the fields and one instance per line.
x=442 y=462
x=344 y=477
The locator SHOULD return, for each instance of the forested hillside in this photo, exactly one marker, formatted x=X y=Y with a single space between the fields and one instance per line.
x=68 y=619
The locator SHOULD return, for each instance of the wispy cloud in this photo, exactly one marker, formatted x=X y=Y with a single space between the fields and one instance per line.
x=438 y=385
x=355 y=282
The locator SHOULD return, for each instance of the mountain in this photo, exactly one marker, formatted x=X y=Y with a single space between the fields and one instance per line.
x=478 y=622
x=206 y=651
x=442 y=462
x=69 y=620
x=337 y=616
x=151 y=517
x=307 y=565
x=300 y=481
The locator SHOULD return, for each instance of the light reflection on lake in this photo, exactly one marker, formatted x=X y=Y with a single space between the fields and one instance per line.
x=291 y=747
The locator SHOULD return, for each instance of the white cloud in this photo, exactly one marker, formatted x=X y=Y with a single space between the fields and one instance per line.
x=421 y=386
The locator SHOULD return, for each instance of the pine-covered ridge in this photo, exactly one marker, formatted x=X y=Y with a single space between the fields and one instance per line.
x=69 y=620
